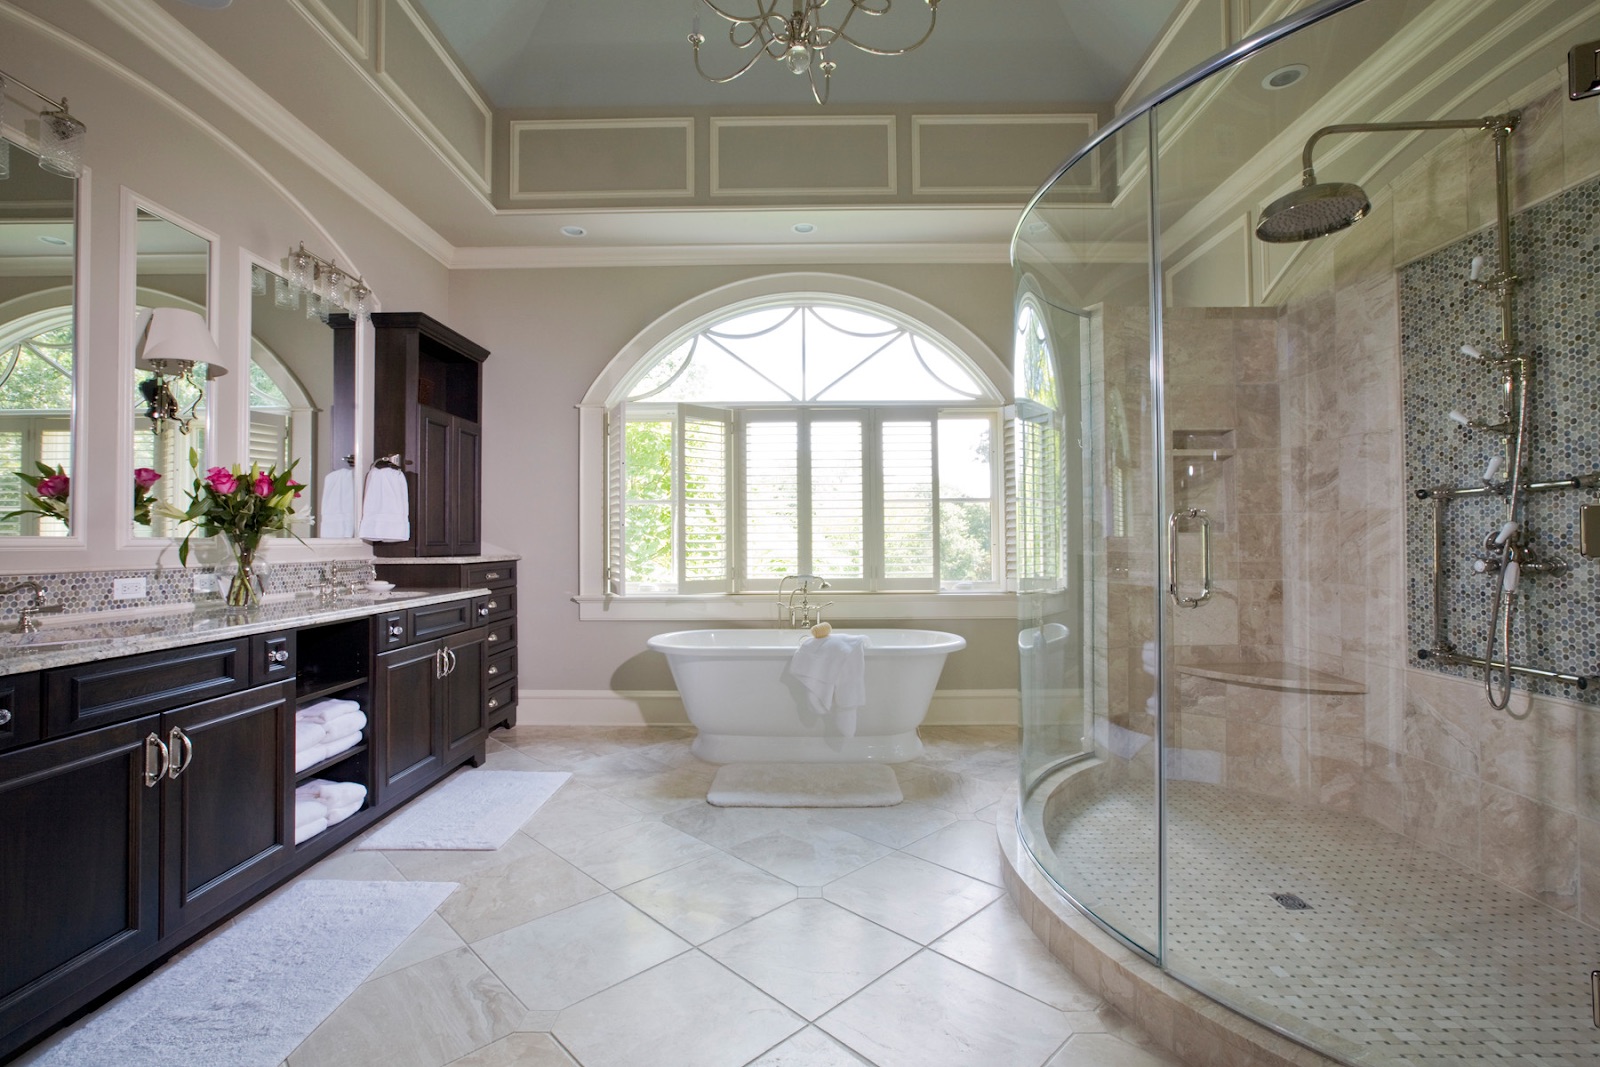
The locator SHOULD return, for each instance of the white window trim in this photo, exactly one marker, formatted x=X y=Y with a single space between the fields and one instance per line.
x=596 y=604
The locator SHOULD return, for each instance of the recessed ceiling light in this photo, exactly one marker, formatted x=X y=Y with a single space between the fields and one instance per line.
x=804 y=227
x=1284 y=77
x=51 y=239
x=573 y=231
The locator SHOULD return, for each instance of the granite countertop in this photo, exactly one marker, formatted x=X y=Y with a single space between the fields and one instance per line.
x=414 y=561
x=86 y=639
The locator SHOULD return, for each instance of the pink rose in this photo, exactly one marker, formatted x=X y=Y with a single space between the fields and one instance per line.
x=263 y=484
x=144 y=477
x=296 y=486
x=54 y=487
x=221 y=481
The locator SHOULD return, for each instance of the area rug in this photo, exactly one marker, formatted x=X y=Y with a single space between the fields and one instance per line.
x=805 y=785
x=251 y=994
x=476 y=809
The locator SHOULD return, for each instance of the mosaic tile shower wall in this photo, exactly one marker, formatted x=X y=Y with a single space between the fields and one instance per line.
x=1554 y=246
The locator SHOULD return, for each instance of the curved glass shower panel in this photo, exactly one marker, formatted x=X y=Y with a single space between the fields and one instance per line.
x=1085 y=540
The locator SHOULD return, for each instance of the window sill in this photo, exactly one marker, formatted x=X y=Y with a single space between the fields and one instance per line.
x=763 y=607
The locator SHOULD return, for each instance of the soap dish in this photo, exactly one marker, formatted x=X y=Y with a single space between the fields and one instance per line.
x=380 y=586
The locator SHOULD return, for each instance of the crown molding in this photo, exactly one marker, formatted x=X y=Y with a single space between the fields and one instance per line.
x=714 y=255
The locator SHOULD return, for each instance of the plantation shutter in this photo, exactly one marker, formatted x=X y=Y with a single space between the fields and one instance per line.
x=1039 y=497
x=1009 y=420
x=616 y=488
x=910 y=494
x=838 y=498
x=771 y=499
x=704 y=467
x=269 y=438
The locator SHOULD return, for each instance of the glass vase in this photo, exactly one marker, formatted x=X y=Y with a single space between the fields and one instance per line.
x=244 y=590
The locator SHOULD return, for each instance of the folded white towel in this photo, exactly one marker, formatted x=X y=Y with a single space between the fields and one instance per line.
x=324 y=710
x=338 y=504
x=309 y=811
x=833 y=671
x=349 y=723
x=385 y=509
x=307 y=734
x=333 y=794
x=309 y=830
x=336 y=745
x=310 y=756
x=342 y=813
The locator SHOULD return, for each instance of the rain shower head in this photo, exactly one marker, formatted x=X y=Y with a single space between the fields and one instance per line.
x=1311 y=211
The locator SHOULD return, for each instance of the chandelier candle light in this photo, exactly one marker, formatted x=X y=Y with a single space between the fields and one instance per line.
x=800 y=39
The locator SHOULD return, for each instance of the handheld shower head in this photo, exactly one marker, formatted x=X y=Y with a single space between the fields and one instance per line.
x=1311 y=211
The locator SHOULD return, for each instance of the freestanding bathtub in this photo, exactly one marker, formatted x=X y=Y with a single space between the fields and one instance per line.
x=737 y=690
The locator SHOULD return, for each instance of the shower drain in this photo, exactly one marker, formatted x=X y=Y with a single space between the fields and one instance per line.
x=1291 y=902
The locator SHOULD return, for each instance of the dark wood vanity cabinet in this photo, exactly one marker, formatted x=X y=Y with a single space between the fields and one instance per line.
x=430 y=694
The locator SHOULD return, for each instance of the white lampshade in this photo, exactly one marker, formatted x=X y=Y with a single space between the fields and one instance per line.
x=175 y=336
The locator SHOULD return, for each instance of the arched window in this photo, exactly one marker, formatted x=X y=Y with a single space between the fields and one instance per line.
x=804 y=435
x=36 y=376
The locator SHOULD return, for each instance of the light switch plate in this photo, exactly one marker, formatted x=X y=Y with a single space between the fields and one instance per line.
x=129 y=588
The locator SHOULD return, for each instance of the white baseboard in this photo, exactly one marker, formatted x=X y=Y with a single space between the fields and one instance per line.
x=663 y=707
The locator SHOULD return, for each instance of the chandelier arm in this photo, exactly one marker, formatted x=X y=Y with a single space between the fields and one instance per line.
x=766 y=9
x=827 y=77
x=840 y=34
x=724 y=80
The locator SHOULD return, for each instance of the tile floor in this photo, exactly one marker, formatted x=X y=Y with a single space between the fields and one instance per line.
x=630 y=923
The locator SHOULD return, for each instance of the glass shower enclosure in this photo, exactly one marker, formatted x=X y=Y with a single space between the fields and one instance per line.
x=1306 y=393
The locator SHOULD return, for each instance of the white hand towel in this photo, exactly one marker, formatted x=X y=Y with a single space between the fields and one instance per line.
x=306 y=831
x=342 y=813
x=338 y=518
x=307 y=734
x=833 y=671
x=324 y=710
x=350 y=722
x=385 y=509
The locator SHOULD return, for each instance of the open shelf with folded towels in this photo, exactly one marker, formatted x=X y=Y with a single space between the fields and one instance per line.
x=332 y=732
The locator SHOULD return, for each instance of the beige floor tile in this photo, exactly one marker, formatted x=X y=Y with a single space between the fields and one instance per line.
x=896 y=826
x=576 y=814
x=433 y=938
x=933 y=1012
x=358 y=867
x=708 y=896
x=688 y=1012
x=967 y=846
x=629 y=853
x=809 y=1048
x=425 y=1015
x=519 y=1050
x=999 y=943
x=727 y=827
x=668 y=790
x=810 y=954
x=1106 y=1050
x=810 y=853
x=556 y=961
x=912 y=897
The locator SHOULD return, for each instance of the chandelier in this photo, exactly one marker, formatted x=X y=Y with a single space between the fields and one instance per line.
x=800 y=39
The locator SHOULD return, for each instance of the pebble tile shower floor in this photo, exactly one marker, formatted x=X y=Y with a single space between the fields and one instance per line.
x=629 y=923
x=1403 y=958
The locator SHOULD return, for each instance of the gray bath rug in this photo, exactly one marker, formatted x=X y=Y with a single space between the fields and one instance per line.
x=805 y=785
x=475 y=809
x=251 y=994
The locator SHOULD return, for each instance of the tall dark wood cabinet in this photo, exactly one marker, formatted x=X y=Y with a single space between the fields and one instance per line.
x=427 y=402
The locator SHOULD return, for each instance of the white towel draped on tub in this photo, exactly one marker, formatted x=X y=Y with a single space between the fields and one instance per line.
x=833 y=670
x=385 y=512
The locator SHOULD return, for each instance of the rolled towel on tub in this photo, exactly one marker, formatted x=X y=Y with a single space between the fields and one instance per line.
x=833 y=672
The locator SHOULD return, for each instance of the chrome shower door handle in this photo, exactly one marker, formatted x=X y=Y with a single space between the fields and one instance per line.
x=1200 y=516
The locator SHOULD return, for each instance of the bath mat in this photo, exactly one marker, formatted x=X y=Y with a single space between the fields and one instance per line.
x=251 y=994
x=805 y=785
x=475 y=809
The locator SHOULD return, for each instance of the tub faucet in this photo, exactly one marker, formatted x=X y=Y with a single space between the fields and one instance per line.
x=26 y=624
x=804 y=614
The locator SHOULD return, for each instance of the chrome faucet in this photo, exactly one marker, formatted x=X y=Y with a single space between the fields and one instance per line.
x=357 y=573
x=804 y=614
x=26 y=623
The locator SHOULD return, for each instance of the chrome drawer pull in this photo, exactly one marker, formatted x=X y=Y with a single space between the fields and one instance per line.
x=495 y=703
x=492 y=575
x=494 y=603
x=5 y=716
x=153 y=745
x=493 y=638
x=278 y=655
x=396 y=630
x=482 y=612
x=493 y=671
x=175 y=737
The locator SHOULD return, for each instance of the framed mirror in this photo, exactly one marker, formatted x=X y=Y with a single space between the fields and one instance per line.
x=38 y=246
x=302 y=404
x=172 y=268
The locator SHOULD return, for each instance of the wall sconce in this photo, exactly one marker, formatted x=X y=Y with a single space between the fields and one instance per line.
x=60 y=134
x=171 y=342
x=327 y=288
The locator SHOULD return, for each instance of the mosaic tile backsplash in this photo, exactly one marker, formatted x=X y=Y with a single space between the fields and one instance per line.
x=1554 y=251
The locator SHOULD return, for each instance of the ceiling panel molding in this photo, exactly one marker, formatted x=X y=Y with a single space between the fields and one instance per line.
x=832 y=155
x=348 y=21
x=995 y=155
x=524 y=257
x=1217 y=273
x=424 y=81
x=601 y=159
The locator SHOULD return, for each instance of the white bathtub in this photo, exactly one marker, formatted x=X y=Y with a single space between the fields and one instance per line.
x=737 y=690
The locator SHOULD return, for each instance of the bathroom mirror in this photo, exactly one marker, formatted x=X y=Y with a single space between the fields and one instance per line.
x=172 y=269
x=302 y=405
x=38 y=242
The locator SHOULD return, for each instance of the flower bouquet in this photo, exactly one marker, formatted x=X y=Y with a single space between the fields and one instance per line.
x=241 y=506
x=51 y=488
x=143 y=479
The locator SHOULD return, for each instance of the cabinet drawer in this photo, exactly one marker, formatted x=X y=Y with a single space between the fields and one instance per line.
x=19 y=710
x=490 y=574
x=90 y=695
x=392 y=632
x=498 y=698
x=271 y=658
x=440 y=619
x=501 y=635
x=502 y=667
x=497 y=606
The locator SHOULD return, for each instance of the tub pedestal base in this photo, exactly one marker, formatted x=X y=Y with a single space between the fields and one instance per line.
x=747 y=748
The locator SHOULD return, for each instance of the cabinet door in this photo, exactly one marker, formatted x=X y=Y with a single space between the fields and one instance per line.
x=79 y=871
x=462 y=692
x=465 y=499
x=433 y=526
x=227 y=814
x=409 y=736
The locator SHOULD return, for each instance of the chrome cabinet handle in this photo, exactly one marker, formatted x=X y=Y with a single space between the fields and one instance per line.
x=277 y=655
x=438 y=663
x=176 y=737
x=495 y=703
x=492 y=575
x=493 y=671
x=5 y=716
x=493 y=604
x=482 y=611
x=396 y=630
x=492 y=638
x=450 y=660
x=1199 y=515
x=155 y=747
